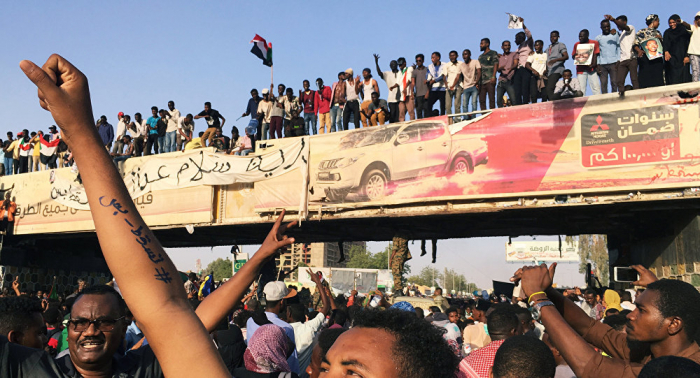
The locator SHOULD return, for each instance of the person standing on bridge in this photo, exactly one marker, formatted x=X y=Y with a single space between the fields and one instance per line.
x=212 y=117
x=399 y=255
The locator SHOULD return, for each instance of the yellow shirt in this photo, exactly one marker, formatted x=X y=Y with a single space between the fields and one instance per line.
x=14 y=147
x=37 y=149
x=194 y=143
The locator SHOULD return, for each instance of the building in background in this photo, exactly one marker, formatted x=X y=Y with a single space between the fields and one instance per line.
x=319 y=255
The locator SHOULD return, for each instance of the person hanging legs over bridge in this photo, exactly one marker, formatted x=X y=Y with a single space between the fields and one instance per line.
x=147 y=277
x=399 y=255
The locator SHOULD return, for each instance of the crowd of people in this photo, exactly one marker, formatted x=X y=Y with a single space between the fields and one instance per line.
x=147 y=323
x=519 y=74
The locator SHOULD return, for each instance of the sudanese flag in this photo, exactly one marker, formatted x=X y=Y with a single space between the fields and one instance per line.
x=262 y=50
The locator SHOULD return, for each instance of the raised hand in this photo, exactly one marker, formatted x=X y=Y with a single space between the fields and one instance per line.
x=277 y=239
x=376 y=57
x=645 y=276
x=63 y=90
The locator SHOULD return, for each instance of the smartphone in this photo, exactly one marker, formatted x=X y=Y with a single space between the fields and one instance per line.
x=625 y=274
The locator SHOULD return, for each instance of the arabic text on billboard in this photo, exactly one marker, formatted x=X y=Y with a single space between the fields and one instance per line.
x=528 y=251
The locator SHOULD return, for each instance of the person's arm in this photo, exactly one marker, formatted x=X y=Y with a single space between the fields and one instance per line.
x=375 y=85
x=222 y=301
x=148 y=279
x=379 y=70
x=329 y=295
x=528 y=65
x=528 y=34
x=16 y=285
x=326 y=309
x=495 y=70
x=198 y=116
x=619 y=24
x=223 y=120
x=576 y=351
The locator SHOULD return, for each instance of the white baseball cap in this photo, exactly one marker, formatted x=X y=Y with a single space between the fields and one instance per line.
x=277 y=290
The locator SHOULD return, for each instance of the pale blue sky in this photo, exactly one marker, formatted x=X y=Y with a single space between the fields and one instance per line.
x=137 y=54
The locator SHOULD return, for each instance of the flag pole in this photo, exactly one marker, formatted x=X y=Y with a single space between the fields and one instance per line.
x=272 y=82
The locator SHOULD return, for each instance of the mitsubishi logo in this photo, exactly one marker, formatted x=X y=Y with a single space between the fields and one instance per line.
x=600 y=125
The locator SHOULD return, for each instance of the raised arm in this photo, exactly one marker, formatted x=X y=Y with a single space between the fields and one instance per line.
x=222 y=301
x=148 y=279
x=322 y=292
x=619 y=24
x=379 y=70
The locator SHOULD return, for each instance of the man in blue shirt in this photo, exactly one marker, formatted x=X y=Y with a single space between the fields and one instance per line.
x=106 y=132
x=609 y=57
x=152 y=122
x=276 y=294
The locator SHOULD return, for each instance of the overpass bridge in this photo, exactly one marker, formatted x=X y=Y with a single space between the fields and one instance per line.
x=627 y=167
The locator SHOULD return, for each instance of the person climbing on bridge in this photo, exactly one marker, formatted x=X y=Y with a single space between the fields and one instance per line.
x=399 y=255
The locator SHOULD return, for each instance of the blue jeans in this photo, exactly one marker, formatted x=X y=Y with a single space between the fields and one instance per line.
x=590 y=78
x=8 y=166
x=467 y=94
x=310 y=123
x=505 y=86
x=161 y=145
x=243 y=152
x=171 y=141
x=336 y=118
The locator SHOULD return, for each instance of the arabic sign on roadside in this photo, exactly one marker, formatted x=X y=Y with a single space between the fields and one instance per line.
x=541 y=251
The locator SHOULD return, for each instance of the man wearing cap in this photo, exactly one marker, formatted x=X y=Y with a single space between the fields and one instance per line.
x=121 y=131
x=265 y=114
x=276 y=295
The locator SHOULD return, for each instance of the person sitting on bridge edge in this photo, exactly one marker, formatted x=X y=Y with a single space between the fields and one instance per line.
x=399 y=255
x=147 y=277
x=664 y=323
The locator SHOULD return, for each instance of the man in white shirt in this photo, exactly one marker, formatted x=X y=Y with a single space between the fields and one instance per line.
x=121 y=131
x=537 y=64
x=628 y=59
x=453 y=77
x=171 y=134
x=471 y=76
x=694 y=48
x=406 y=97
x=392 y=82
x=265 y=111
x=305 y=331
x=139 y=132
x=567 y=88
x=185 y=130
x=436 y=84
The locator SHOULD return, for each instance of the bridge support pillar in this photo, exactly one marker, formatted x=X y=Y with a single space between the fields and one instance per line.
x=669 y=249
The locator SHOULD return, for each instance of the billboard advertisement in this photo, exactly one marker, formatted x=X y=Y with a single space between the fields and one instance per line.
x=647 y=139
x=541 y=251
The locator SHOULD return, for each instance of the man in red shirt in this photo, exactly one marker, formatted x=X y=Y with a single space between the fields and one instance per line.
x=502 y=324
x=586 y=60
x=324 y=107
x=309 y=100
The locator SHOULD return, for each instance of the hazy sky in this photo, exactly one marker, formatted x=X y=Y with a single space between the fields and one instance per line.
x=137 y=54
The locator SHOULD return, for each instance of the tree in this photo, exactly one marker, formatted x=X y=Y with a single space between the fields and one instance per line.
x=594 y=249
x=220 y=268
x=360 y=257
x=428 y=276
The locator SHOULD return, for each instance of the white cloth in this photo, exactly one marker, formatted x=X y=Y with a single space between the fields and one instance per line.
x=626 y=305
x=185 y=127
x=694 y=47
x=350 y=94
x=121 y=129
x=574 y=85
x=391 y=79
x=141 y=129
x=626 y=43
x=435 y=73
x=405 y=82
x=173 y=120
x=538 y=62
x=304 y=335
x=452 y=72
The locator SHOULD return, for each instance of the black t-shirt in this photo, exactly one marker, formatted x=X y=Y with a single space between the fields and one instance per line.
x=162 y=125
x=6 y=144
x=212 y=117
x=17 y=361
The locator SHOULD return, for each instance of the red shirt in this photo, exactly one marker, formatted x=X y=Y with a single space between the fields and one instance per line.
x=596 y=51
x=477 y=364
x=324 y=100
x=309 y=101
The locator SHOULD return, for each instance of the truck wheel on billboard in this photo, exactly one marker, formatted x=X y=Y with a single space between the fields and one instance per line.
x=374 y=185
x=462 y=165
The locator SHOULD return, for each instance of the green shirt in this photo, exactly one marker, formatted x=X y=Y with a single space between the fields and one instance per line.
x=488 y=62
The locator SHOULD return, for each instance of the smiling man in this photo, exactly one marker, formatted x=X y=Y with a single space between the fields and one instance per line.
x=390 y=344
x=664 y=323
x=96 y=330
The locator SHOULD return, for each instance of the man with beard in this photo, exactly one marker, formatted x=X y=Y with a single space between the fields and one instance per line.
x=663 y=324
